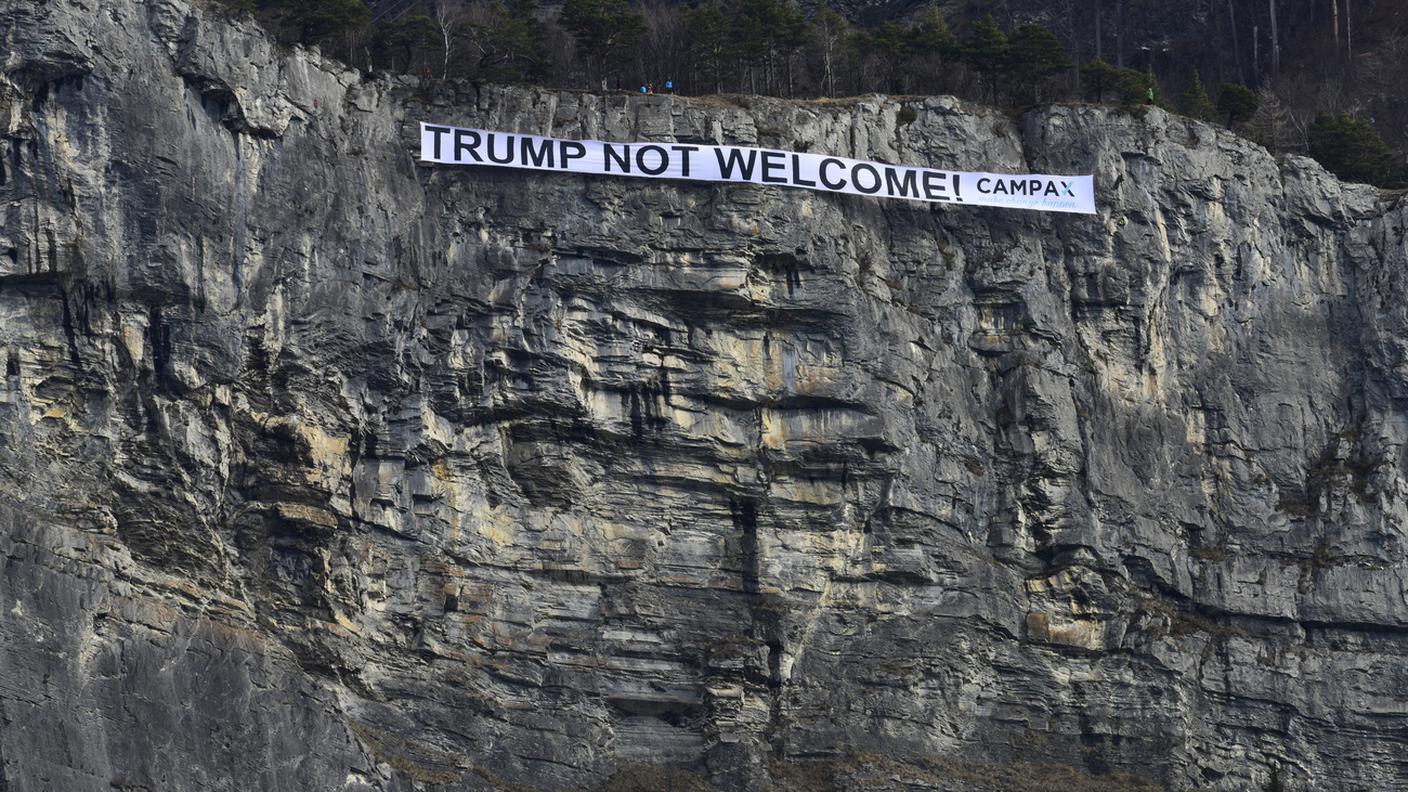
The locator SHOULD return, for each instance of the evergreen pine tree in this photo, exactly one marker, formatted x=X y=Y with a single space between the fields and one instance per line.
x=604 y=30
x=1237 y=103
x=1099 y=77
x=1352 y=149
x=1196 y=102
x=930 y=36
x=709 y=38
x=532 y=36
x=400 y=45
x=884 y=53
x=1104 y=82
x=929 y=49
x=326 y=23
x=1036 y=56
x=988 y=51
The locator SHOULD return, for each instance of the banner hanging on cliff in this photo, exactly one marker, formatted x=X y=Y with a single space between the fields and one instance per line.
x=740 y=164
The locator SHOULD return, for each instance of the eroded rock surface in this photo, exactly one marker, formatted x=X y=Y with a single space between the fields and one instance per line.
x=320 y=469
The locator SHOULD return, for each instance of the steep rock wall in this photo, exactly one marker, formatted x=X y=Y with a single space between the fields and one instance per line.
x=320 y=469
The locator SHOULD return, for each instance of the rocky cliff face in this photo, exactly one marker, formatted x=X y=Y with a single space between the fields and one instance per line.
x=320 y=469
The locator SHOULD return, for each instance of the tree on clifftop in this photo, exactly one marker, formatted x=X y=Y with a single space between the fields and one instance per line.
x=604 y=30
x=332 y=24
x=988 y=51
x=1352 y=149
x=708 y=43
x=1237 y=103
x=1037 y=56
x=1196 y=102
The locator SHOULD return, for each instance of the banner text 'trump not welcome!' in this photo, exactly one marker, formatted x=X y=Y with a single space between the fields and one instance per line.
x=740 y=164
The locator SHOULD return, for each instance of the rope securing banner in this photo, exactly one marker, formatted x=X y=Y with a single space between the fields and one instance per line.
x=448 y=145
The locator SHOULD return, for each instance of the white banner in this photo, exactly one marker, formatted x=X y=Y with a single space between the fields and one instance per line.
x=740 y=164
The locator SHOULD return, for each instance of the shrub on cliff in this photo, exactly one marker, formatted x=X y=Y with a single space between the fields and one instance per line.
x=1104 y=82
x=1037 y=57
x=1352 y=149
x=1196 y=102
x=988 y=51
x=1237 y=103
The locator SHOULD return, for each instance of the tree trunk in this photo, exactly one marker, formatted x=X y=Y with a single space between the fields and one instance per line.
x=1119 y=33
x=1099 y=50
x=1256 y=54
x=1335 y=20
x=1275 y=41
x=1349 y=29
x=1236 y=43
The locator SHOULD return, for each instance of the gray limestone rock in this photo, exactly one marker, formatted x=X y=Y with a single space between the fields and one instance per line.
x=322 y=469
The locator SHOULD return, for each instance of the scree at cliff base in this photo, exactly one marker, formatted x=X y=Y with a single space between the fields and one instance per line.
x=448 y=145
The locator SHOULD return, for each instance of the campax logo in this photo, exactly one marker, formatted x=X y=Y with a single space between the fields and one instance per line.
x=1041 y=188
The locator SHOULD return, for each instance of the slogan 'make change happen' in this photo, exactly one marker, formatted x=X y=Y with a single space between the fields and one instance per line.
x=449 y=145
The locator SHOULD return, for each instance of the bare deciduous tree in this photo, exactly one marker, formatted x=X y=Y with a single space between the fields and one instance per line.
x=449 y=17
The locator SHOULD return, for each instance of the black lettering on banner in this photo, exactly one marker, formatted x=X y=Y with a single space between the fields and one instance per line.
x=934 y=186
x=797 y=173
x=741 y=164
x=735 y=161
x=659 y=151
x=905 y=186
x=471 y=148
x=771 y=162
x=874 y=174
x=437 y=131
x=622 y=158
x=684 y=152
x=508 y=151
x=537 y=157
x=821 y=173
x=569 y=150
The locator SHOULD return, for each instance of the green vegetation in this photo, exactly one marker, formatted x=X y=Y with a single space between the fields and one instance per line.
x=774 y=47
x=1237 y=103
x=1106 y=83
x=1036 y=56
x=603 y=29
x=988 y=52
x=1196 y=102
x=1352 y=149
x=327 y=23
